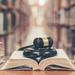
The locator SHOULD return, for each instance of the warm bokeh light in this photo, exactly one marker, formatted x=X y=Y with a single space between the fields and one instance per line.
x=32 y=2
x=34 y=11
x=42 y=2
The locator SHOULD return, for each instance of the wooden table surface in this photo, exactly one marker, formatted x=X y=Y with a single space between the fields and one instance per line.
x=37 y=73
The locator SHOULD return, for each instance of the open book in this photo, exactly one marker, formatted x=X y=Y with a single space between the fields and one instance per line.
x=59 y=62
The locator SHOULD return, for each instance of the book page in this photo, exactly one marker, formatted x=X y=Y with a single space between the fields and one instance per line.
x=17 y=59
x=61 y=59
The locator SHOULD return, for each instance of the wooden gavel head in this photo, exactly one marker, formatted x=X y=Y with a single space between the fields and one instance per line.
x=42 y=42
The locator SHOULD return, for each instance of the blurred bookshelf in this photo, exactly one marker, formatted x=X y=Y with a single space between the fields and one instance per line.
x=17 y=22
x=59 y=20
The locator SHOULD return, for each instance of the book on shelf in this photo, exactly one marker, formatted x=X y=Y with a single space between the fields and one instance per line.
x=1 y=22
x=18 y=62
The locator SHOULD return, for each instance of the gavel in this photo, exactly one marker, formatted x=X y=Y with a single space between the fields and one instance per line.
x=39 y=43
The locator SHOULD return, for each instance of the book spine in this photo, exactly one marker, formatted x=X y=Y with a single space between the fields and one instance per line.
x=73 y=40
